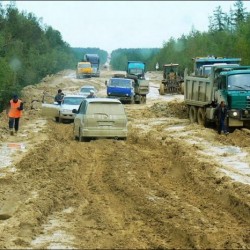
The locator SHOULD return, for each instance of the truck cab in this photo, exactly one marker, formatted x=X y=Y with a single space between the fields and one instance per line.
x=83 y=70
x=121 y=88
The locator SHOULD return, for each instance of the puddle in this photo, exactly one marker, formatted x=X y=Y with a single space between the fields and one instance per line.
x=7 y=150
x=55 y=233
x=233 y=161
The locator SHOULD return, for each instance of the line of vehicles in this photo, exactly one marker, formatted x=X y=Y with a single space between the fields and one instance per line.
x=213 y=80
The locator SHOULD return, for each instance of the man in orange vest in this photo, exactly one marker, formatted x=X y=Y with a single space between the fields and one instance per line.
x=14 y=113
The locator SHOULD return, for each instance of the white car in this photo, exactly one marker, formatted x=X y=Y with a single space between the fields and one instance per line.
x=64 y=111
x=85 y=90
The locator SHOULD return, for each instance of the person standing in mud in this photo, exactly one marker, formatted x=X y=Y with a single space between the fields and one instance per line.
x=59 y=97
x=221 y=113
x=14 y=112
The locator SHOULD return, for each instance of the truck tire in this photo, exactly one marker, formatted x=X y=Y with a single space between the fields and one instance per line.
x=162 y=89
x=193 y=114
x=201 y=117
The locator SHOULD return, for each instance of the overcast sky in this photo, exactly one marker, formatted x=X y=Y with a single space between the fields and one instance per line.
x=110 y=25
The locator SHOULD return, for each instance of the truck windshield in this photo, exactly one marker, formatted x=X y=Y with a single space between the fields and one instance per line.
x=123 y=83
x=83 y=66
x=136 y=71
x=239 y=82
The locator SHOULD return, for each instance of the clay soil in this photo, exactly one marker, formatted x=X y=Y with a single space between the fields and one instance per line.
x=162 y=188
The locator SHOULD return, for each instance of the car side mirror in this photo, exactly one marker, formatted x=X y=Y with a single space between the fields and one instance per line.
x=74 y=111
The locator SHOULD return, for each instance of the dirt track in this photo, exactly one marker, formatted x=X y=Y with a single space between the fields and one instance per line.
x=172 y=184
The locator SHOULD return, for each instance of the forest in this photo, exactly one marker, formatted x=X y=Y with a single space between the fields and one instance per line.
x=228 y=35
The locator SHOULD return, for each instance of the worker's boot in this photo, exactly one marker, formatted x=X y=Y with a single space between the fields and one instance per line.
x=11 y=131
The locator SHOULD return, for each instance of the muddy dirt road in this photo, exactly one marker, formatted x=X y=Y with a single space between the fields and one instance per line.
x=172 y=184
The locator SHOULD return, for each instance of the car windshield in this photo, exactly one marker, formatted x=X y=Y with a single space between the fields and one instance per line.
x=86 y=90
x=105 y=108
x=123 y=83
x=72 y=100
x=239 y=82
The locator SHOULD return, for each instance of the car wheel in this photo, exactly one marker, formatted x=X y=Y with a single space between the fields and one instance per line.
x=57 y=119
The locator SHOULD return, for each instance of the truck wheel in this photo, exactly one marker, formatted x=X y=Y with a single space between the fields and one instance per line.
x=201 y=117
x=193 y=114
x=162 y=87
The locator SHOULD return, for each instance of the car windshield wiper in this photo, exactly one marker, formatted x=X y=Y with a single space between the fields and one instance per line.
x=239 y=87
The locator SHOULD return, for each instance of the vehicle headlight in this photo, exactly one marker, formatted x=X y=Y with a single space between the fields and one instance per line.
x=109 y=93
x=246 y=112
x=126 y=94
x=65 y=110
x=235 y=113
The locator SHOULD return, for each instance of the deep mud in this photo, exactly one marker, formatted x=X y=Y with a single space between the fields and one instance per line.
x=172 y=184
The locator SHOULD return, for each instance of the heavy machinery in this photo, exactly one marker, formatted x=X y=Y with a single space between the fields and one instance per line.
x=228 y=83
x=95 y=63
x=136 y=70
x=83 y=69
x=172 y=81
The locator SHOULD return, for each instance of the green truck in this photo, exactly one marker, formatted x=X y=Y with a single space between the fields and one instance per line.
x=229 y=83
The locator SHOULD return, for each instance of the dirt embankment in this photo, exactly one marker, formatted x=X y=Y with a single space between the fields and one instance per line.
x=156 y=190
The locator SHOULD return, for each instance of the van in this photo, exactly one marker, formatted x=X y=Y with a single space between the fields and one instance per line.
x=100 y=118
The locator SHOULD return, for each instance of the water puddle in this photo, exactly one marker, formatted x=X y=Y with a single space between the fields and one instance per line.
x=7 y=150
x=55 y=233
x=233 y=161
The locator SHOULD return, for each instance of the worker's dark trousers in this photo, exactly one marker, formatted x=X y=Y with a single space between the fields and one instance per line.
x=14 y=123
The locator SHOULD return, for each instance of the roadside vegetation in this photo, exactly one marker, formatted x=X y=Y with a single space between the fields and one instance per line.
x=227 y=36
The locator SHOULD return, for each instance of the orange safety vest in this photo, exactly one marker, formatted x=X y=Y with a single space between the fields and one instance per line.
x=14 y=112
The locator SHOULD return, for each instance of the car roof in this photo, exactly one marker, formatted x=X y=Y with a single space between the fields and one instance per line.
x=88 y=86
x=107 y=100
x=72 y=95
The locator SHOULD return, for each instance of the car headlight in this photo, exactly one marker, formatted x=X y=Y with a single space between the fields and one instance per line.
x=235 y=113
x=65 y=110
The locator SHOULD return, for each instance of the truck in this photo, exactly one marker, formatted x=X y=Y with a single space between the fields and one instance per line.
x=172 y=81
x=95 y=63
x=83 y=69
x=121 y=88
x=202 y=65
x=228 y=83
x=136 y=71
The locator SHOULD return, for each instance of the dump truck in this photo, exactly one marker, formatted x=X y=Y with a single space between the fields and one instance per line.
x=136 y=70
x=202 y=65
x=228 y=83
x=83 y=69
x=95 y=63
x=172 y=81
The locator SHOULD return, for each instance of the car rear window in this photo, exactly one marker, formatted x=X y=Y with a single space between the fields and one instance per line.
x=105 y=108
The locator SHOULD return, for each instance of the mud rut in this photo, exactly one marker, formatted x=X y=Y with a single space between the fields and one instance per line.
x=151 y=191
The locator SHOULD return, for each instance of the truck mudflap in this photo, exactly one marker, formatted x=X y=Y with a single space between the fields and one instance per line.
x=143 y=88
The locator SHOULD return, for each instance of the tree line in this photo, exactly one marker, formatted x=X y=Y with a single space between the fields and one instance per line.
x=30 y=50
x=228 y=35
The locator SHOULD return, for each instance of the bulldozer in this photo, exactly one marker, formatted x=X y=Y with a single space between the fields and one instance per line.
x=172 y=81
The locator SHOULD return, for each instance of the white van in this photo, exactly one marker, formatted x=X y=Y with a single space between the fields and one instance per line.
x=100 y=118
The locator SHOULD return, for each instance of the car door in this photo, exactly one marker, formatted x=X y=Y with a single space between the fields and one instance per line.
x=50 y=110
x=79 y=118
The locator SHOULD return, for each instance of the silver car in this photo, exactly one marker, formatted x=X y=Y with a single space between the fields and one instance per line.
x=85 y=90
x=100 y=118
x=63 y=112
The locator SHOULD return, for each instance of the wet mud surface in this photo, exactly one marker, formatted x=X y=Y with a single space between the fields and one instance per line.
x=172 y=184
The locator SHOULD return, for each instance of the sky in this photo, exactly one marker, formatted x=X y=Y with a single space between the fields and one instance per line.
x=111 y=25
